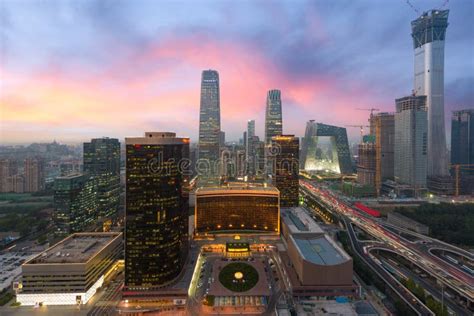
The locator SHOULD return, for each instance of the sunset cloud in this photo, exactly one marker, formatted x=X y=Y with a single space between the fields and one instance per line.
x=82 y=70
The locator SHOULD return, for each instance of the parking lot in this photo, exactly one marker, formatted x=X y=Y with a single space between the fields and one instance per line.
x=10 y=266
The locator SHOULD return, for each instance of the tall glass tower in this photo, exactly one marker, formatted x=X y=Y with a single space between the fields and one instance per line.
x=209 y=128
x=273 y=116
x=156 y=226
x=250 y=147
x=273 y=127
x=410 y=142
x=428 y=32
x=102 y=161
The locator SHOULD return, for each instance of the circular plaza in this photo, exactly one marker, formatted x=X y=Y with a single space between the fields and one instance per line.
x=238 y=277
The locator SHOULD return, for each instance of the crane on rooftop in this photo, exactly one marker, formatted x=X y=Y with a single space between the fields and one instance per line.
x=361 y=130
x=372 y=110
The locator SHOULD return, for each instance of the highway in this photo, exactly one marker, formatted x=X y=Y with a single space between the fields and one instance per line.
x=394 y=284
x=449 y=275
x=430 y=287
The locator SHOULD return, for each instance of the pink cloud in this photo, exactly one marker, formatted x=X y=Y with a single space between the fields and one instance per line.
x=159 y=88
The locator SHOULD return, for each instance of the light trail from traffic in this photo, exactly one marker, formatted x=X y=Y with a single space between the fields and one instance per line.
x=450 y=276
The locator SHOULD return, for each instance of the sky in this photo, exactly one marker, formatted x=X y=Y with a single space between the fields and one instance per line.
x=75 y=70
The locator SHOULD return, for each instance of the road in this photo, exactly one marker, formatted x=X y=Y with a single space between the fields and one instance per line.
x=451 y=276
x=109 y=300
x=394 y=284
x=431 y=288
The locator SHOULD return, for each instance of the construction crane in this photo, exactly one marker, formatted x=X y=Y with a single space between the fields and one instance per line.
x=415 y=9
x=361 y=130
x=457 y=175
x=372 y=110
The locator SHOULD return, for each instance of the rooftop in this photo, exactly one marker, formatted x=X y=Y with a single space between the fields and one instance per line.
x=77 y=248
x=240 y=187
x=157 y=138
x=320 y=250
x=299 y=221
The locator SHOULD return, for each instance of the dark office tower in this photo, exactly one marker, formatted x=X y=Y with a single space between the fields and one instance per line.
x=286 y=170
x=273 y=116
x=221 y=139
x=250 y=148
x=75 y=203
x=156 y=228
x=209 y=128
x=462 y=137
x=34 y=174
x=428 y=33
x=462 y=150
x=260 y=158
x=102 y=161
x=384 y=146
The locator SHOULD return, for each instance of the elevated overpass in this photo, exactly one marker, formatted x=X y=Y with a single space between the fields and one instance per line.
x=446 y=274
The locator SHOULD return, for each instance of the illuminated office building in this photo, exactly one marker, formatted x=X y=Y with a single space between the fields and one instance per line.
x=286 y=172
x=102 y=161
x=75 y=203
x=340 y=161
x=238 y=207
x=71 y=271
x=156 y=228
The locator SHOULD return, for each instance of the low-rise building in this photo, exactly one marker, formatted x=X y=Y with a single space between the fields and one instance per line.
x=314 y=263
x=71 y=271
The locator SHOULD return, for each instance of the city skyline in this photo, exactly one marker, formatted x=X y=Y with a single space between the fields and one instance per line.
x=150 y=80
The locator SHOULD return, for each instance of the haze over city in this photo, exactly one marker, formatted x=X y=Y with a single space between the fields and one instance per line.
x=72 y=70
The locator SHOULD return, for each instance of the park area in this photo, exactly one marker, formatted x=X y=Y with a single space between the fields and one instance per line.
x=238 y=277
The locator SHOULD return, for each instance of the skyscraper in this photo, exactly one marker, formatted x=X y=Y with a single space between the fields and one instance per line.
x=209 y=128
x=462 y=137
x=102 y=161
x=75 y=203
x=462 y=150
x=384 y=147
x=156 y=230
x=34 y=174
x=428 y=33
x=273 y=126
x=340 y=162
x=366 y=164
x=273 y=116
x=411 y=141
x=286 y=171
x=250 y=148
x=221 y=139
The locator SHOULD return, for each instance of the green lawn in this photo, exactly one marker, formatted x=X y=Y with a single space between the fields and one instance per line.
x=248 y=281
